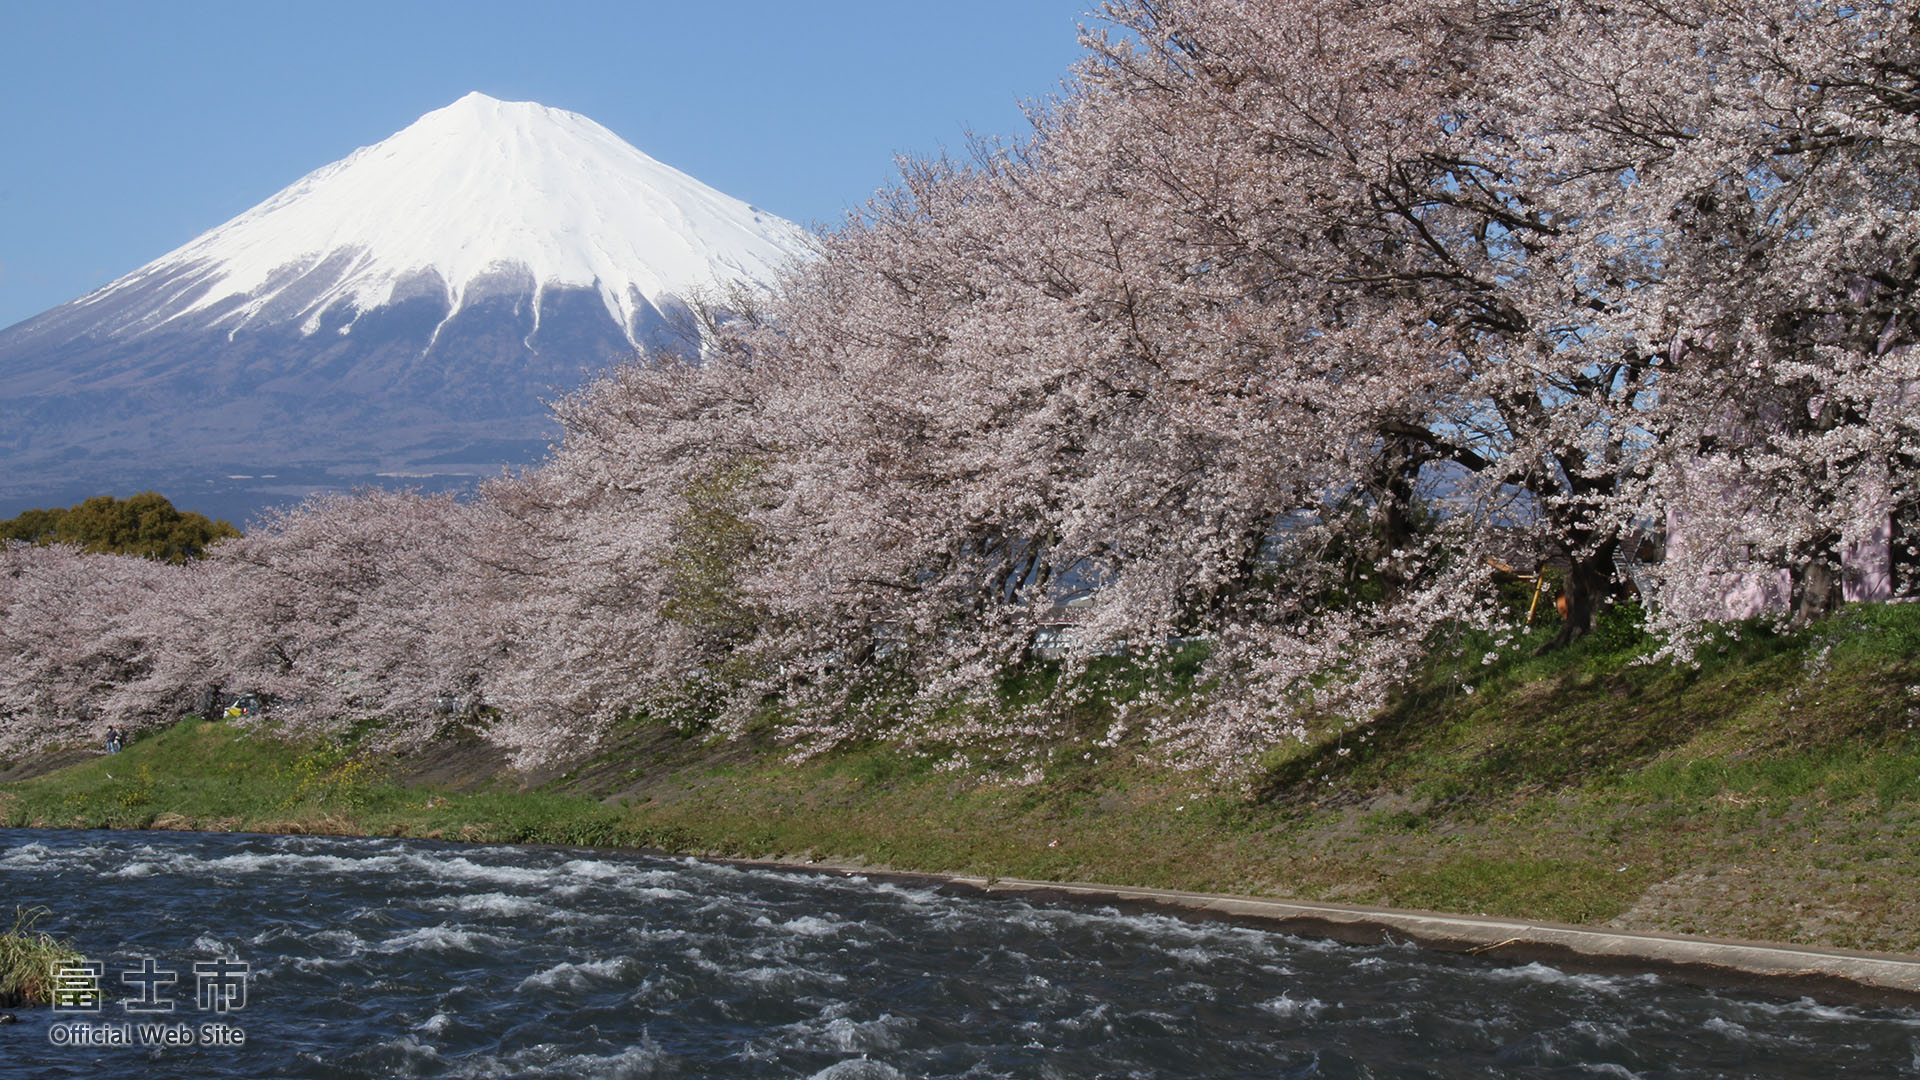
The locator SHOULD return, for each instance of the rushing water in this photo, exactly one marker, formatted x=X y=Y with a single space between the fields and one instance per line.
x=406 y=958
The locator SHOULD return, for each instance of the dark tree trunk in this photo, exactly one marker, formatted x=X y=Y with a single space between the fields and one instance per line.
x=1905 y=554
x=1589 y=585
x=1817 y=583
x=1395 y=481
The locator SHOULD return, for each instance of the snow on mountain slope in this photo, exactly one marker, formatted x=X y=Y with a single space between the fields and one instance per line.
x=479 y=191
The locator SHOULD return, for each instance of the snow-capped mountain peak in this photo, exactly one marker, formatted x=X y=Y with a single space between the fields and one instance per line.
x=405 y=312
x=479 y=197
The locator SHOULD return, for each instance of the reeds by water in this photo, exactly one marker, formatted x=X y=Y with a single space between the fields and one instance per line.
x=28 y=958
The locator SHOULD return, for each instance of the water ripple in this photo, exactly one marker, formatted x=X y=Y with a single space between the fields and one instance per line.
x=375 y=958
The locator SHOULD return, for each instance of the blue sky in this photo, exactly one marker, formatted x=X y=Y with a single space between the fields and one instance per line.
x=129 y=128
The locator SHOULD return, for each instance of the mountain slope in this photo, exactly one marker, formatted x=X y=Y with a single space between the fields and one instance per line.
x=402 y=311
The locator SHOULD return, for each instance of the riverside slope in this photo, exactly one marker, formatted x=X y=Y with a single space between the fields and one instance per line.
x=453 y=780
x=1771 y=794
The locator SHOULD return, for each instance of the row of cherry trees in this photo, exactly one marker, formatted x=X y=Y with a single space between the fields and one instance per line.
x=1288 y=320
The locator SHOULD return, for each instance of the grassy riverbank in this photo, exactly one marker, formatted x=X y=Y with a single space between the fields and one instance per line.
x=1772 y=792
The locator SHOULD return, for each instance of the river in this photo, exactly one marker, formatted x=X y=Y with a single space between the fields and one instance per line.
x=331 y=957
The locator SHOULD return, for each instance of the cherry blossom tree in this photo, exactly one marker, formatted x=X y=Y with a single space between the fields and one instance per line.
x=1762 y=159
x=1289 y=320
x=350 y=608
x=1125 y=354
x=92 y=640
x=618 y=559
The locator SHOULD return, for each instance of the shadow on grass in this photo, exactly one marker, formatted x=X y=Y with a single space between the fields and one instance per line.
x=1466 y=733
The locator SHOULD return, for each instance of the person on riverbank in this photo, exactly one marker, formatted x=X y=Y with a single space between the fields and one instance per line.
x=115 y=737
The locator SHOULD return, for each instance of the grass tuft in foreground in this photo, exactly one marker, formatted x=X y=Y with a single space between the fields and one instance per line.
x=28 y=958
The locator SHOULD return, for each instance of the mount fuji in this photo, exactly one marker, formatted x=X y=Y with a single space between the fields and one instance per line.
x=397 y=316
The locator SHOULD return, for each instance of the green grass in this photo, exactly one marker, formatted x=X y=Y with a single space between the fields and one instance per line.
x=213 y=770
x=1562 y=890
x=1772 y=791
x=28 y=958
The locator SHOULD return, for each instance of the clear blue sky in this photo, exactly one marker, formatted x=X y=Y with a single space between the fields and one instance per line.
x=129 y=128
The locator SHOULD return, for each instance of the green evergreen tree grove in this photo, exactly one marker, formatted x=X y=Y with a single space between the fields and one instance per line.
x=146 y=525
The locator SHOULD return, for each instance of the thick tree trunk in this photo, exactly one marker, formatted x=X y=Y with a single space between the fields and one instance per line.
x=1395 y=481
x=1588 y=587
x=1816 y=586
